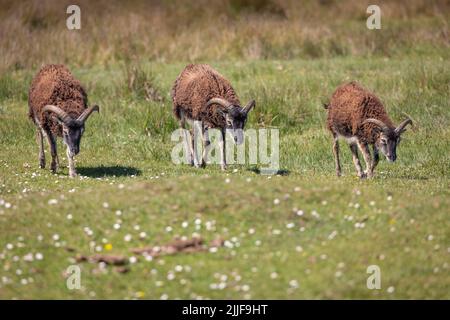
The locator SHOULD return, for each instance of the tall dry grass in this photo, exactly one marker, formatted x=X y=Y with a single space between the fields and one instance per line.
x=34 y=32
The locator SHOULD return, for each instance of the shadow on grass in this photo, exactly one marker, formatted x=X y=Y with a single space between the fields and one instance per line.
x=281 y=172
x=410 y=177
x=117 y=171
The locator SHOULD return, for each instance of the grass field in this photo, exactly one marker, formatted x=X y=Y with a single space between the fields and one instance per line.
x=302 y=234
x=398 y=220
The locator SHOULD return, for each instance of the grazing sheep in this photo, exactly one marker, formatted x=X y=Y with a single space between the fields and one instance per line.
x=359 y=116
x=202 y=94
x=58 y=107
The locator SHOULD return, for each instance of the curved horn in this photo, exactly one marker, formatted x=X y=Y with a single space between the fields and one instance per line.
x=224 y=103
x=379 y=123
x=250 y=105
x=86 y=113
x=401 y=126
x=60 y=113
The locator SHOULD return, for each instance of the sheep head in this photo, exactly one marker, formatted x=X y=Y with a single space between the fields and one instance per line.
x=388 y=138
x=235 y=116
x=73 y=129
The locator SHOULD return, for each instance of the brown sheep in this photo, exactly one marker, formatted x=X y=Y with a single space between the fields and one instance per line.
x=201 y=94
x=58 y=107
x=358 y=115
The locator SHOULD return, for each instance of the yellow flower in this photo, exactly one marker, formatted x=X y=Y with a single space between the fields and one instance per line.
x=392 y=221
x=140 y=294
x=108 y=247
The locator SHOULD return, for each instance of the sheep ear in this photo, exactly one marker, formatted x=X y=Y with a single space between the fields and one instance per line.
x=378 y=129
x=223 y=111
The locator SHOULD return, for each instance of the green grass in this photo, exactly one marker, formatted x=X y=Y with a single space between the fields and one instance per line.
x=125 y=156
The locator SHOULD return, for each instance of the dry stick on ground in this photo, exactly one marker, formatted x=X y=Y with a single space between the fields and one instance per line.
x=177 y=246
x=190 y=245
x=108 y=259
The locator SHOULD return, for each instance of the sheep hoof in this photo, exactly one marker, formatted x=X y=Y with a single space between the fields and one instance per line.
x=73 y=174
x=363 y=176
x=223 y=167
x=42 y=164
x=54 y=166
x=338 y=173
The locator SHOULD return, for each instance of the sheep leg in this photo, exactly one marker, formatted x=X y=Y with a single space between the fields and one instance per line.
x=187 y=139
x=367 y=158
x=354 y=150
x=336 y=155
x=72 y=171
x=376 y=158
x=194 y=148
x=191 y=147
x=222 y=144
x=40 y=138
x=206 y=147
x=197 y=131
x=52 y=142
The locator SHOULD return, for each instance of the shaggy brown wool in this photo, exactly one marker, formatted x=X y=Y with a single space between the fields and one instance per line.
x=349 y=106
x=194 y=87
x=55 y=85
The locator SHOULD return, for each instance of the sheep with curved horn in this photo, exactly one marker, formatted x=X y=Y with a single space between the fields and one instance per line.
x=58 y=107
x=201 y=94
x=359 y=116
